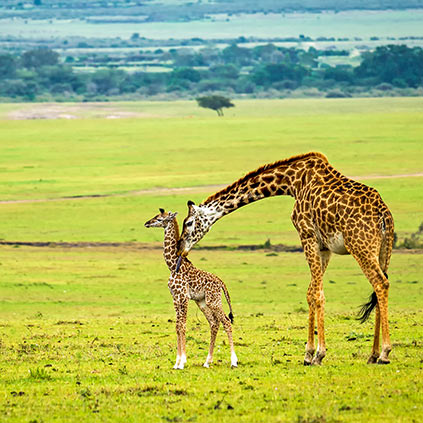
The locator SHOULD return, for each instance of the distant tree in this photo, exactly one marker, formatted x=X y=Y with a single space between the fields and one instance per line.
x=107 y=81
x=21 y=89
x=215 y=102
x=271 y=73
x=7 y=66
x=394 y=64
x=186 y=73
x=225 y=71
x=60 y=78
x=33 y=59
x=236 y=55
x=339 y=73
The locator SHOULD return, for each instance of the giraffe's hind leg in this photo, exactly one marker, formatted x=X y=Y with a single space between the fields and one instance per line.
x=215 y=305
x=310 y=348
x=214 y=328
x=376 y=340
x=371 y=268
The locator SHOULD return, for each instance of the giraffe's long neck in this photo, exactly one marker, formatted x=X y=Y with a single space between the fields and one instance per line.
x=288 y=177
x=170 y=244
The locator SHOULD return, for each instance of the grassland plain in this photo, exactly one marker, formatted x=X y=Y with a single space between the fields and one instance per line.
x=88 y=333
x=401 y=23
x=44 y=159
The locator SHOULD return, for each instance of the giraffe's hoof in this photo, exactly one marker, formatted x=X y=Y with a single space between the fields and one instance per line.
x=308 y=358
x=317 y=360
x=207 y=365
x=179 y=366
x=234 y=365
x=383 y=361
x=372 y=359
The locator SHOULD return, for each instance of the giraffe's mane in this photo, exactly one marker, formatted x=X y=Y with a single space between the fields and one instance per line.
x=178 y=236
x=268 y=166
x=175 y=222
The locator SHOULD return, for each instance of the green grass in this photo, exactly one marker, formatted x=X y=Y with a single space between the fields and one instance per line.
x=88 y=333
x=91 y=336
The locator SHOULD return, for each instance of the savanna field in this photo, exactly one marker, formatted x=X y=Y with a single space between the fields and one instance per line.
x=87 y=325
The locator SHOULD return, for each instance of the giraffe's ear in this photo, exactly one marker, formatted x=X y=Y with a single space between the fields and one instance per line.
x=161 y=211
x=172 y=215
x=190 y=203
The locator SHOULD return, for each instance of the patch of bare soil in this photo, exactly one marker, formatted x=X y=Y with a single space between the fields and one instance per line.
x=41 y=112
x=81 y=244
x=164 y=191
x=74 y=111
x=270 y=249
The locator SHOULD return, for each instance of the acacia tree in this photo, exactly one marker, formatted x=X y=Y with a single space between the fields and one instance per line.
x=215 y=102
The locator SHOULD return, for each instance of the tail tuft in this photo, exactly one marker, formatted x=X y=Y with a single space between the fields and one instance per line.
x=367 y=308
x=231 y=317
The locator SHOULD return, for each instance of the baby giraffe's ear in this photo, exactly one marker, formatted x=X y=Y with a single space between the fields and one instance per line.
x=190 y=203
x=161 y=211
x=172 y=215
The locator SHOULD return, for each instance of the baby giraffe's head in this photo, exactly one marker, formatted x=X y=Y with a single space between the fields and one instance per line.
x=161 y=220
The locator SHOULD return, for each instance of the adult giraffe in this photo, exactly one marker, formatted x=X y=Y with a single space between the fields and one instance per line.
x=332 y=214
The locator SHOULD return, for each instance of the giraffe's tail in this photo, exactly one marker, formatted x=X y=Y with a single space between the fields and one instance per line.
x=228 y=300
x=387 y=229
x=367 y=308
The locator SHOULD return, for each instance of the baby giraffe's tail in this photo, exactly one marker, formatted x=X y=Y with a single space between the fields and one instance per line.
x=228 y=300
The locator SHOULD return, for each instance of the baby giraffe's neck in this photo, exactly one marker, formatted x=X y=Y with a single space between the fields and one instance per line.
x=170 y=244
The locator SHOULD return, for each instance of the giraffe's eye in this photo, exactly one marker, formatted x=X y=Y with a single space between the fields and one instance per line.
x=190 y=223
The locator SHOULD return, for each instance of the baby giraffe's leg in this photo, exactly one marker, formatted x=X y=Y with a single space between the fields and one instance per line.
x=220 y=316
x=214 y=328
x=178 y=353
x=181 y=308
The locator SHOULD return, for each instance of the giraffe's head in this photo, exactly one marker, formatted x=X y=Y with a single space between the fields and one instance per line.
x=161 y=220
x=196 y=225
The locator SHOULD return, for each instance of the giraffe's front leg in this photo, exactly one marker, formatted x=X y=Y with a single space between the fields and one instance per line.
x=317 y=261
x=181 y=308
x=321 y=345
x=178 y=353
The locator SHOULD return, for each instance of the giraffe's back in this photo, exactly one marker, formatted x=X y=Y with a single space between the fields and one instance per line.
x=347 y=214
x=194 y=282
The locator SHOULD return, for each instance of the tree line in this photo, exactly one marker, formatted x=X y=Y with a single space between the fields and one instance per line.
x=40 y=75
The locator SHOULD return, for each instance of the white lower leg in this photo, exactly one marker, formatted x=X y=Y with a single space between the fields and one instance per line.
x=234 y=359
x=182 y=361
x=209 y=359
x=178 y=360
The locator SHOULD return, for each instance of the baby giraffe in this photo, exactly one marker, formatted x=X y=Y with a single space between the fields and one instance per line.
x=195 y=284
